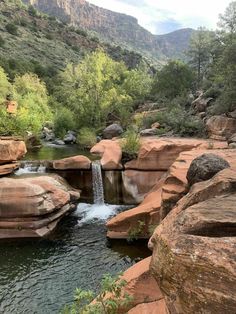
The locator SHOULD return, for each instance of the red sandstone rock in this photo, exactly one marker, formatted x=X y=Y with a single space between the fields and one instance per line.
x=221 y=127
x=8 y=168
x=159 y=153
x=110 y=152
x=194 y=259
x=32 y=207
x=76 y=162
x=158 y=203
x=11 y=150
x=157 y=307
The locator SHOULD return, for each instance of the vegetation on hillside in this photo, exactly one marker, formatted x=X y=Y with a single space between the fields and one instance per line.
x=91 y=89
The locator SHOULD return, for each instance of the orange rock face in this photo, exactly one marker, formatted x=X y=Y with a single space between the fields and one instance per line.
x=160 y=153
x=8 y=168
x=110 y=152
x=220 y=127
x=157 y=307
x=11 y=150
x=140 y=221
x=77 y=162
x=194 y=256
x=31 y=207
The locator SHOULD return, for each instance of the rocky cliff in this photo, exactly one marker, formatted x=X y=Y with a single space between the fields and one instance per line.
x=116 y=27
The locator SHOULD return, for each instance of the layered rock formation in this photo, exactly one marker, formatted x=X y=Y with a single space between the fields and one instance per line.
x=194 y=260
x=10 y=151
x=140 y=221
x=116 y=27
x=221 y=127
x=32 y=207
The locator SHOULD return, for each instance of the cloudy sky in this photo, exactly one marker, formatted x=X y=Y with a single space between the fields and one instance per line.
x=163 y=16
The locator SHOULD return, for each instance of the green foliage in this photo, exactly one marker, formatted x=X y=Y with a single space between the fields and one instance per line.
x=173 y=80
x=32 y=11
x=87 y=137
x=108 y=301
x=180 y=121
x=12 y=29
x=136 y=231
x=131 y=143
x=94 y=89
x=2 y=41
x=5 y=86
x=199 y=52
x=63 y=122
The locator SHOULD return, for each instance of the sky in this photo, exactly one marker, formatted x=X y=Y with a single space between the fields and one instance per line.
x=163 y=16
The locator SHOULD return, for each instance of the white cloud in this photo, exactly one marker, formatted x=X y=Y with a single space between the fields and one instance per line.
x=185 y=13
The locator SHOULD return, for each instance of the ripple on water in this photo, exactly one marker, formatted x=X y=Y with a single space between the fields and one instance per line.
x=40 y=276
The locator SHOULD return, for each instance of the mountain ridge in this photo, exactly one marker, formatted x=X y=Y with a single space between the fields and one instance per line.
x=117 y=27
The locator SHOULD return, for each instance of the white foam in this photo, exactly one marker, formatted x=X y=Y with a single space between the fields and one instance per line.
x=30 y=169
x=90 y=212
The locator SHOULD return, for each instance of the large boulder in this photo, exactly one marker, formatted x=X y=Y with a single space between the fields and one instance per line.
x=77 y=162
x=113 y=130
x=205 y=167
x=221 y=127
x=32 y=207
x=194 y=259
x=11 y=150
x=110 y=153
x=8 y=168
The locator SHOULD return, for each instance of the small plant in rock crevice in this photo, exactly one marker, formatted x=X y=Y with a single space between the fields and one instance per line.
x=109 y=300
x=136 y=231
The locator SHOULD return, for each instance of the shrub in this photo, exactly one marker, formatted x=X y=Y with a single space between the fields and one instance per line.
x=87 y=137
x=32 y=11
x=63 y=122
x=108 y=301
x=12 y=29
x=2 y=41
x=131 y=143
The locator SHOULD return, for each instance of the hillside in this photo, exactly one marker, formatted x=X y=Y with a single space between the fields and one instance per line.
x=46 y=42
x=115 y=27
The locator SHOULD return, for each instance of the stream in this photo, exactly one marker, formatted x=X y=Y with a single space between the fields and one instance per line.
x=39 y=276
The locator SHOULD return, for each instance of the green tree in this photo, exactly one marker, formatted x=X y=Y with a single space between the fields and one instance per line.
x=199 y=53
x=227 y=21
x=5 y=86
x=173 y=80
x=93 y=89
x=12 y=29
x=32 y=98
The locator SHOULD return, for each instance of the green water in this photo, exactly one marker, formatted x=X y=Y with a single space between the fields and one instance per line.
x=39 y=276
x=53 y=152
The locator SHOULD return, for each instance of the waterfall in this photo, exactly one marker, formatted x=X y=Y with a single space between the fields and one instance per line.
x=98 y=194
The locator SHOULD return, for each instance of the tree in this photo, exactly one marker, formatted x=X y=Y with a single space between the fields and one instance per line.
x=199 y=53
x=5 y=86
x=173 y=80
x=227 y=21
x=93 y=89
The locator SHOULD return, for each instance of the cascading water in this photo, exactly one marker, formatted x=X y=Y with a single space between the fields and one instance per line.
x=98 y=194
x=30 y=168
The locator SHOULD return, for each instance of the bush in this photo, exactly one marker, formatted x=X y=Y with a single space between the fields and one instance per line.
x=131 y=143
x=12 y=29
x=108 y=301
x=87 y=137
x=2 y=41
x=63 y=122
x=180 y=121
